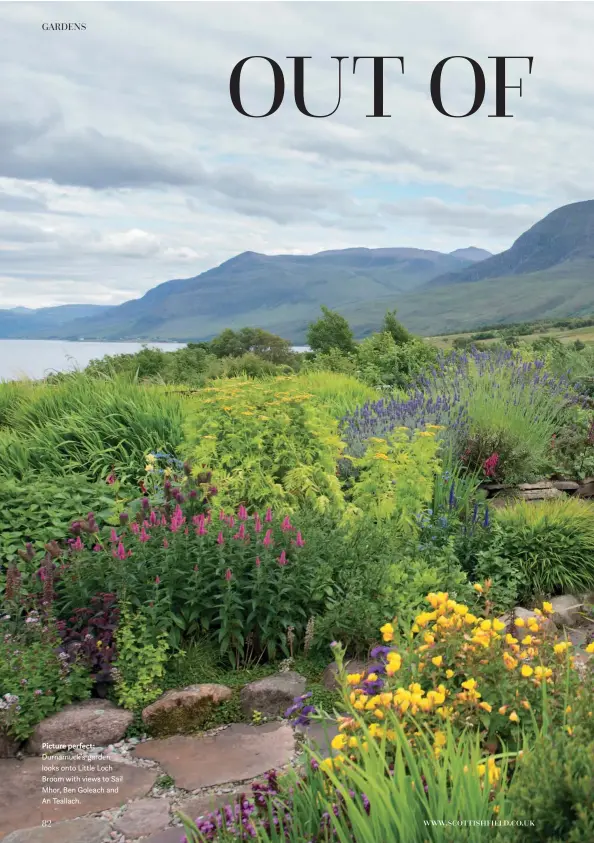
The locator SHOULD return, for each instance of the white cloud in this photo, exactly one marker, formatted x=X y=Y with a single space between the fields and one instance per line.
x=123 y=162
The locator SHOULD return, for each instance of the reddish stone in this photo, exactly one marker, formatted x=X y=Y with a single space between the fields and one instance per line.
x=21 y=790
x=235 y=754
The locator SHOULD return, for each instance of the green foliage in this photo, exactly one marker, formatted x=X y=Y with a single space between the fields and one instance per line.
x=140 y=662
x=396 y=477
x=551 y=542
x=383 y=362
x=553 y=786
x=265 y=443
x=37 y=678
x=88 y=426
x=254 y=341
x=396 y=330
x=42 y=509
x=331 y=331
x=572 y=451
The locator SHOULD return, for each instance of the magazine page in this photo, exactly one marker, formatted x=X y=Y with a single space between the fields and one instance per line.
x=296 y=422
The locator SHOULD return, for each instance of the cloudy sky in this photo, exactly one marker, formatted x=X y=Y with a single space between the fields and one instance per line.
x=124 y=164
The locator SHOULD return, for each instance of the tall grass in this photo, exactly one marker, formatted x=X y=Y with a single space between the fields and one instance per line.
x=338 y=394
x=422 y=798
x=84 y=425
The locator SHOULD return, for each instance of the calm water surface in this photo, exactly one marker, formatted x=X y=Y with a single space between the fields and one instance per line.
x=37 y=358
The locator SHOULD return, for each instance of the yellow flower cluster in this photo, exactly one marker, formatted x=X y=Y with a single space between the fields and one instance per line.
x=453 y=659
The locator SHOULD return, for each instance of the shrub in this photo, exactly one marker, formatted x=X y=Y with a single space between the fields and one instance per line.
x=37 y=677
x=383 y=362
x=42 y=509
x=236 y=578
x=89 y=635
x=572 y=448
x=331 y=331
x=265 y=443
x=141 y=660
x=554 y=783
x=552 y=543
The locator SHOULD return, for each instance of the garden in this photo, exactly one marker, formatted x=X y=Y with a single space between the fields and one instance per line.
x=386 y=544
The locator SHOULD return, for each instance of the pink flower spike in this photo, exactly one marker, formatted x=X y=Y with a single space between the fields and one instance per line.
x=129 y=553
x=144 y=536
x=153 y=518
x=257 y=523
x=299 y=539
x=163 y=521
x=97 y=548
x=268 y=540
x=113 y=536
x=157 y=579
x=258 y=563
x=222 y=515
x=228 y=574
x=282 y=559
x=121 y=551
x=165 y=543
x=286 y=525
x=231 y=521
x=242 y=513
x=268 y=516
x=77 y=545
x=135 y=528
x=220 y=538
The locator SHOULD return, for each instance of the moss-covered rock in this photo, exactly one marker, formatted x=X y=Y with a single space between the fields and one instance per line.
x=184 y=710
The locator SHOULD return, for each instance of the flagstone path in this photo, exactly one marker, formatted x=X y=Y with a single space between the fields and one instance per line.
x=207 y=770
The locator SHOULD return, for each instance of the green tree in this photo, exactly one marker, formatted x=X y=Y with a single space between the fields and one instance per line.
x=392 y=326
x=269 y=346
x=331 y=331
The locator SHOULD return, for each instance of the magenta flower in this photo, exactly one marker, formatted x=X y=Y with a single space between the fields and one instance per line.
x=153 y=518
x=220 y=538
x=286 y=525
x=299 y=539
x=242 y=513
x=97 y=548
x=222 y=515
x=121 y=551
x=268 y=540
x=258 y=563
x=257 y=523
x=113 y=536
x=282 y=559
x=135 y=528
x=165 y=543
x=144 y=536
x=157 y=579
x=228 y=574
x=231 y=521
x=240 y=534
x=77 y=544
x=268 y=516
x=111 y=478
x=201 y=530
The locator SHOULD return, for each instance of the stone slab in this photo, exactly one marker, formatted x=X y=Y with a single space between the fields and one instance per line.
x=238 y=753
x=142 y=817
x=21 y=790
x=87 y=830
x=319 y=736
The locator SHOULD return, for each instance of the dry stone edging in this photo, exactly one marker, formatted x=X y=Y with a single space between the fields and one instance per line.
x=272 y=695
x=183 y=710
x=90 y=722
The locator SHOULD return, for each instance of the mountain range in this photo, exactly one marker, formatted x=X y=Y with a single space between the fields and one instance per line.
x=547 y=272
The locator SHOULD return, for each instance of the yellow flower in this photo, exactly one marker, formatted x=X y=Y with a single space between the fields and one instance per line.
x=548 y=608
x=498 y=625
x=514 y=717
x=478 y=587
x=379 y=456
x=354 y=678
x=339 y=742
x=387 y=631
x=562 y=647
x=526 y=705
x=372 y=677
x=440 y=739
x=526 y=671
x=437 y=660
x=470 y=684
x=503 y=709
x=590 y=648
x=485 y=706
x=449 y=674
x=509 y=661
